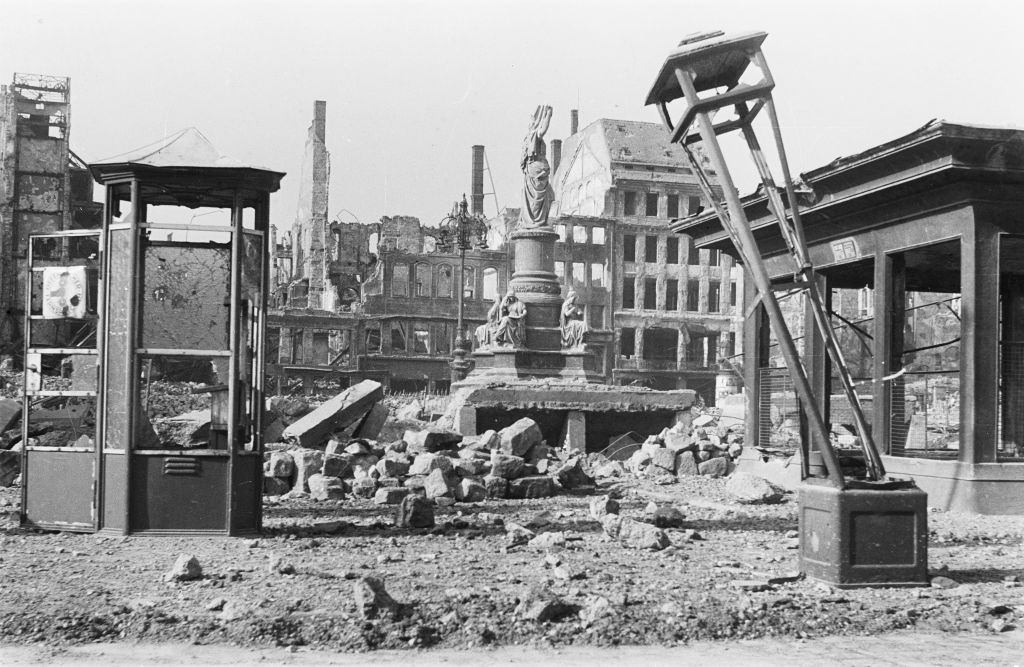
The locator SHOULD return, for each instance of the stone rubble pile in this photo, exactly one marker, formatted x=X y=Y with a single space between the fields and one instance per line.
x=434 y=463
x=707 y=445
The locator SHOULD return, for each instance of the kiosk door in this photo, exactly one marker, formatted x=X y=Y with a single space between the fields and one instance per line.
x=59 y=410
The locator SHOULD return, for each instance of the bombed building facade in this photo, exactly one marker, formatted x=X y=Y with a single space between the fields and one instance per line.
x=669 y=309
x=380 y=300
x=44 y=186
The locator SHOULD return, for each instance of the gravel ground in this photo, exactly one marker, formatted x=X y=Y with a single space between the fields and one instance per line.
x=459 y=584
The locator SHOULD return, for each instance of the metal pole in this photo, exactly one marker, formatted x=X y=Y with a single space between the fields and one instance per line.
x=741 y=228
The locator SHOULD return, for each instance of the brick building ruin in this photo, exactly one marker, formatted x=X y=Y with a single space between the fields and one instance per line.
x=44 y=186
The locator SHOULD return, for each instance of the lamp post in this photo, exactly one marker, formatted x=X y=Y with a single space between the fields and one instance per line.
x=461 y=231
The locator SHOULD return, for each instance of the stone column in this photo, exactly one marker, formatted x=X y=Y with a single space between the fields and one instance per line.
x=536 y=285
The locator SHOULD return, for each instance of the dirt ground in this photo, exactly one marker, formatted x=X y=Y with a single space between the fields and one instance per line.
x=460 y=584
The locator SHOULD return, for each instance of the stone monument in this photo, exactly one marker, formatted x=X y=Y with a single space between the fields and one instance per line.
x=532 y=357
x=529 y=342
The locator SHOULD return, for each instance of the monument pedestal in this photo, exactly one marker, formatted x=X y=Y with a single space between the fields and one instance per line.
x=536 y=285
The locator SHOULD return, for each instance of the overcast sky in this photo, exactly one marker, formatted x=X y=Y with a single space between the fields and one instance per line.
x=412 y=85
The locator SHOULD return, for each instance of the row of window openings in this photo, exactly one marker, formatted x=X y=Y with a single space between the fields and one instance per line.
x=630 y=201
x=445 y=282
x=629 y=248
x=581 y=234
x=650 y=300
x=661 y=344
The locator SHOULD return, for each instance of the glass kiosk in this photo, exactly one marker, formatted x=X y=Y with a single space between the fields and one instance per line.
x=180 y=313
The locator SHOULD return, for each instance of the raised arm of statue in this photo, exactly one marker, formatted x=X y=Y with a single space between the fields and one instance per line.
x=537 y=195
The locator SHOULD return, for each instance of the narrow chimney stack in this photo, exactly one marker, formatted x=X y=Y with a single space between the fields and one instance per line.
x=477 y=197
x=574 y=121
x=556 y=154
x=320 y=120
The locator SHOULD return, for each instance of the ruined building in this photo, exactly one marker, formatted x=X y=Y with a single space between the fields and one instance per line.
x=380 y=300
x=369 y=300
x=44 y=186
x=664 y=311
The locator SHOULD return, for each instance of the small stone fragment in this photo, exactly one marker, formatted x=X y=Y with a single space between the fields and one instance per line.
x=391 y=495
x=414 y=511
x=185 y=568
x=372 y=599
x=516 y=534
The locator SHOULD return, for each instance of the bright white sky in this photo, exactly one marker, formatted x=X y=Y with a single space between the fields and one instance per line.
x=412 y=85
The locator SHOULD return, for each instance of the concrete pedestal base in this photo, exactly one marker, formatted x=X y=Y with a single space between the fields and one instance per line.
x=578 y=415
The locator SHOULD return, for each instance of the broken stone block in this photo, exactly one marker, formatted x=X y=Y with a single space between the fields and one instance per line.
x=390 y=495
x=336 y=413
x=538 y=453
x=609 y=469
x=390 y=467
x=719 y=466
x=638 y=461
x=470 y=491
x=388 y=482
x=364 y=487
x=432 y=440
x=751 y=489
x=185 y=568
x=735 y=450
x=548 y=540
x=372 y=600
x=414 y=511
x=10 y=466
x=326 y=488
x=541 y=605
x=275 y=486
x=571 y=474
x=307 y=462
x=516 y=534
x=337 y=466
x=365 y=465
x=602 y=506
x=373 y=422
x=484 y=442
x=686 y=464
x=469 y=467
x=665 y=459
x=357 y=447
x=518 y=438
x=506 y=465
x=664 y=516
x=635 y=534
x=702 y=420
x=497 y=487
x=437 y=485
x=595 y=608
x=650 y=447
x=678 y=441
x=539 y=486
x=424 y=464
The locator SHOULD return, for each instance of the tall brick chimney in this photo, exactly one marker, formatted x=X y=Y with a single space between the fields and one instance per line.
x=477 y=197
x=574 y=121
x=556 y=154
x=320 y=119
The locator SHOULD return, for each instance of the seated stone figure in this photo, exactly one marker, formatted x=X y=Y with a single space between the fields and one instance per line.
x=574 y=327
x=510 y=330
x=485 y=332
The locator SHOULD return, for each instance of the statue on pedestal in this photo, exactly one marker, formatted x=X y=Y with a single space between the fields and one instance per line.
x=510 y=327
x=574 y=327
x=537 y=195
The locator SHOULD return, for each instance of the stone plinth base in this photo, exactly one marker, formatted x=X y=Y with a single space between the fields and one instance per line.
x=577 y=415
x=523 y=363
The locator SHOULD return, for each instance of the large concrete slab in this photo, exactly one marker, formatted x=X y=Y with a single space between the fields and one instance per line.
x=338 y=412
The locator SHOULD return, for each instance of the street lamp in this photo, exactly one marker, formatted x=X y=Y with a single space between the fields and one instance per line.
x=461 y=231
